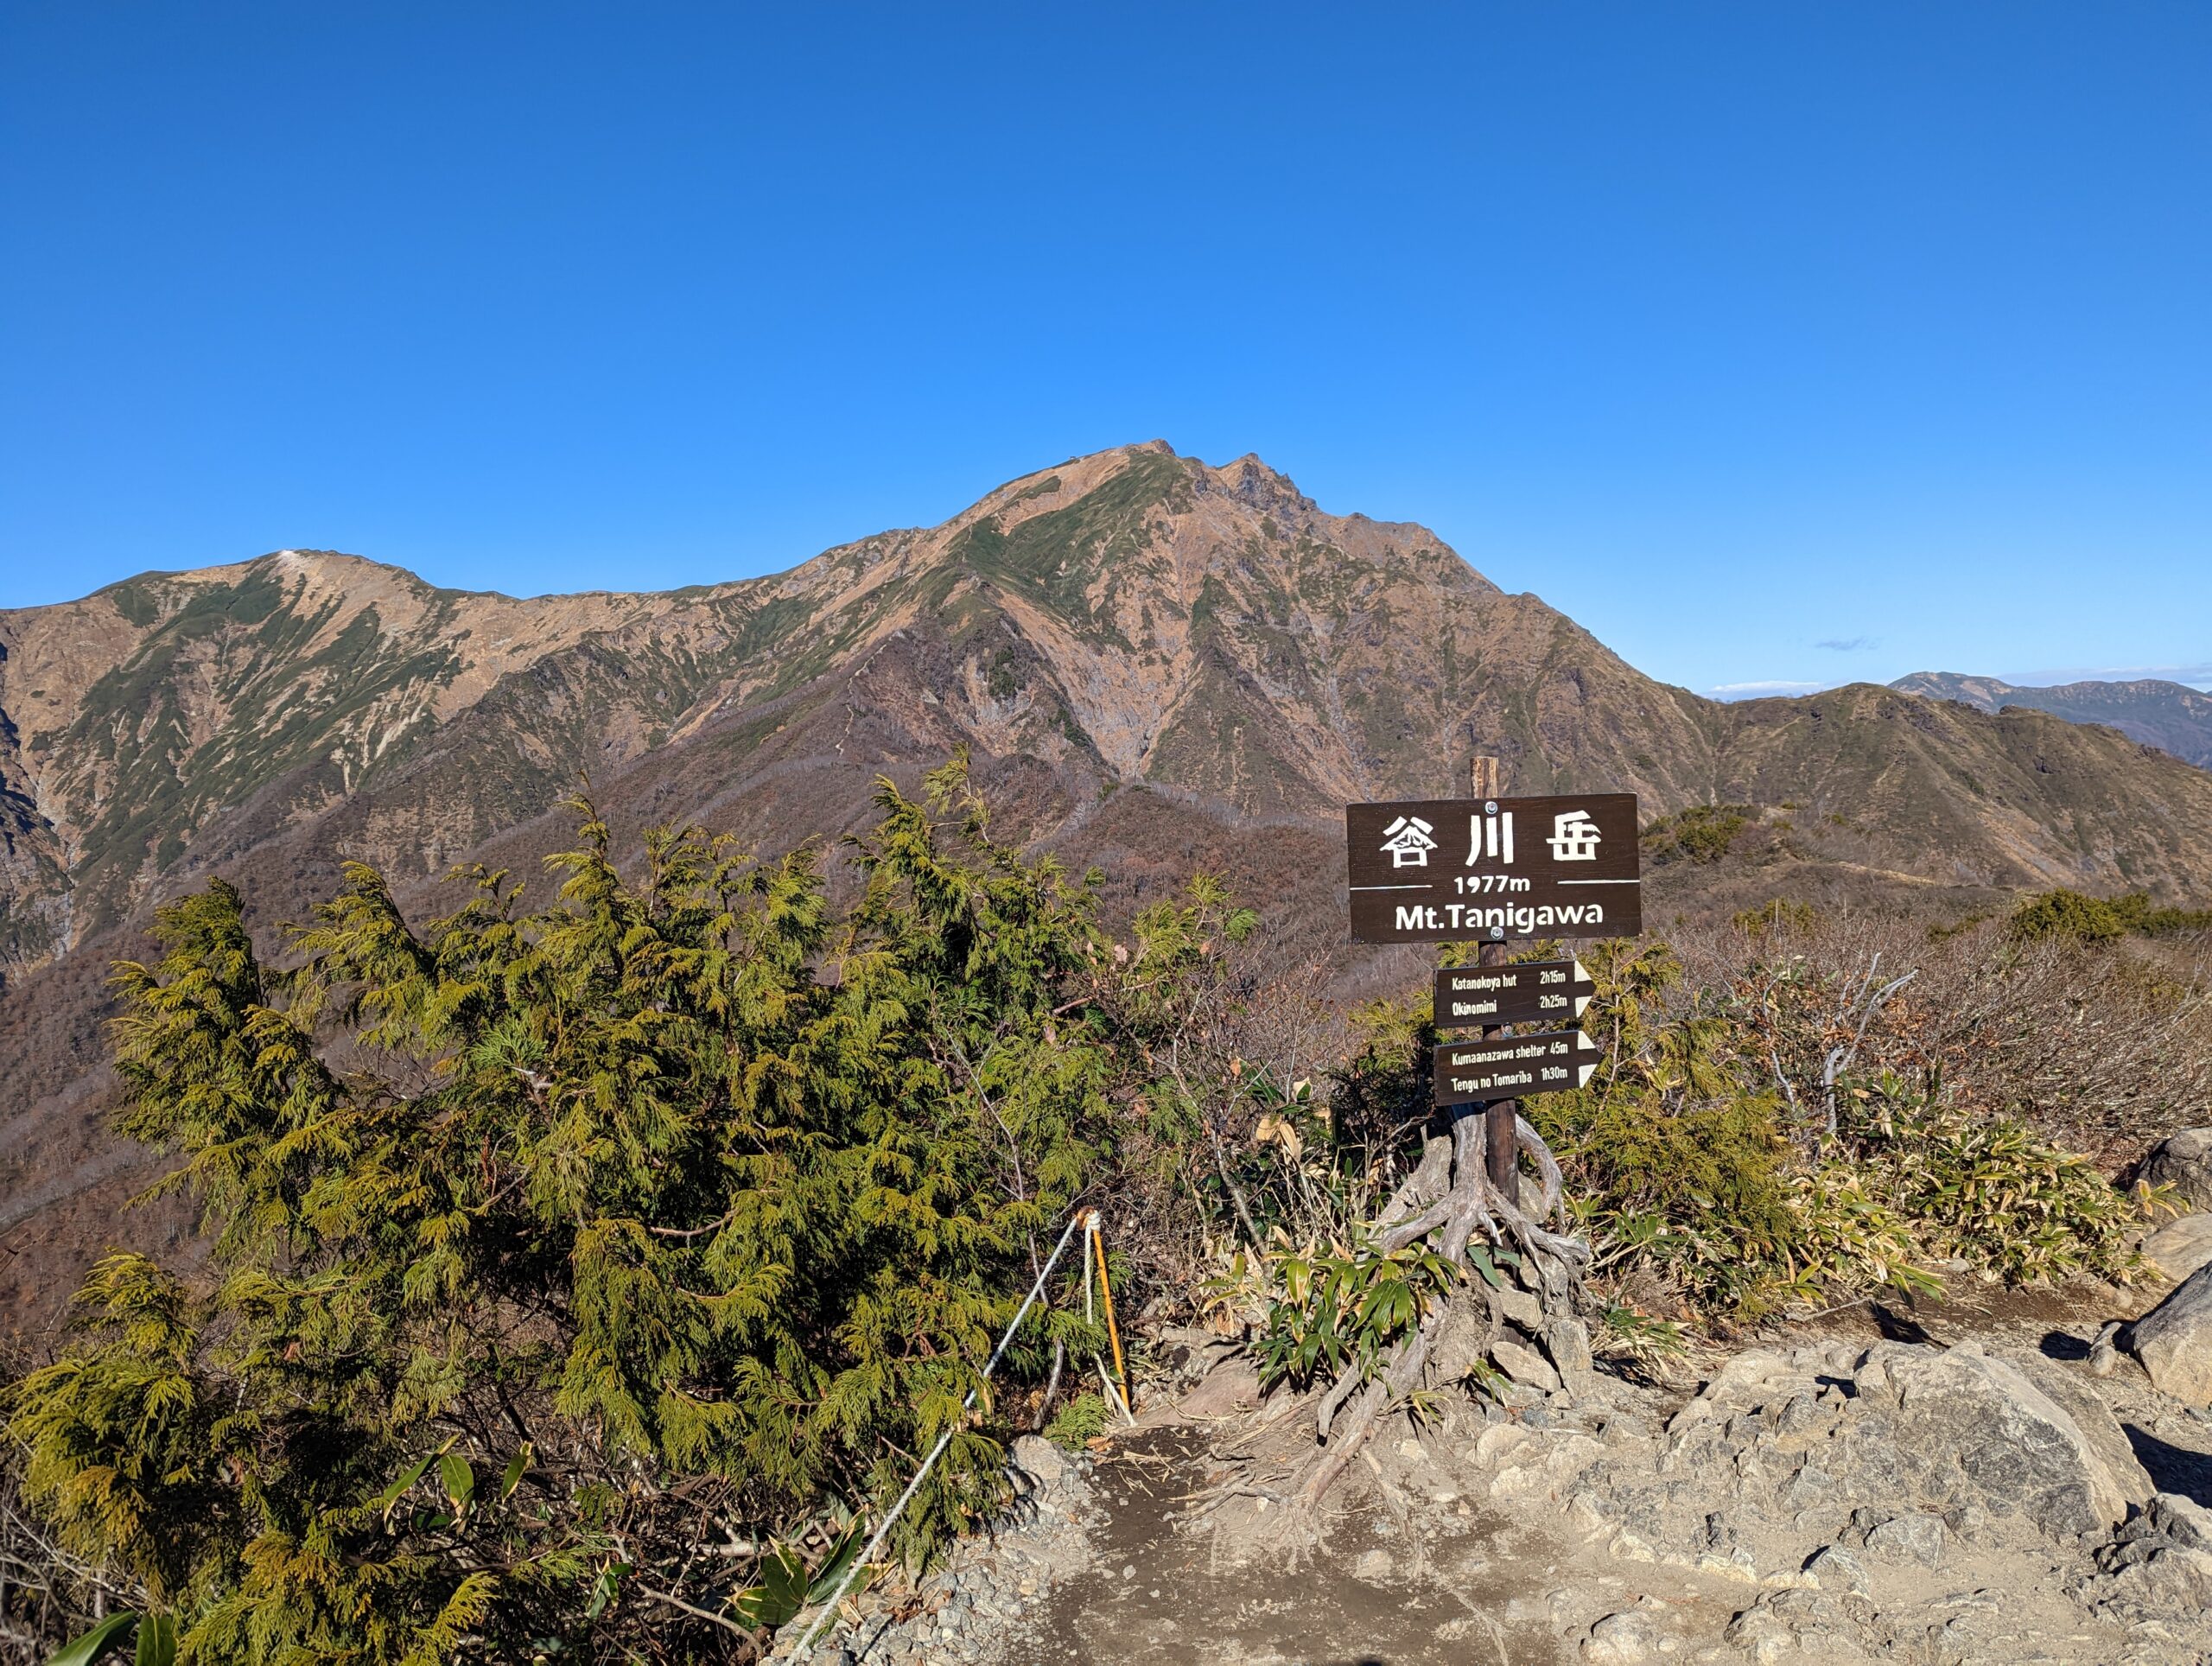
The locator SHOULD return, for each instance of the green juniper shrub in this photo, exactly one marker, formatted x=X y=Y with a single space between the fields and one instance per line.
x=1702 y=834
x=673 y=1211
x=1081 y=1418
x=1782 y=915
x=2071 y=916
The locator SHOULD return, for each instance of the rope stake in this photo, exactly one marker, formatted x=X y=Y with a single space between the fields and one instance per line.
x=1113 y=1331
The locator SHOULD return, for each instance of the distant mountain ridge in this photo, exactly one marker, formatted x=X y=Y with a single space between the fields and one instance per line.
x=2171 y=716
x=1157 y=665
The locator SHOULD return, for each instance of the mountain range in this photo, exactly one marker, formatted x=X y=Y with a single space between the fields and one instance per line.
x=1157 y=665
x=2171 y=716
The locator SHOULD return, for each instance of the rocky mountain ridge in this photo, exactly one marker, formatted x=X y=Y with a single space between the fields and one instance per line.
x=1133 y=618
x=2171 y=716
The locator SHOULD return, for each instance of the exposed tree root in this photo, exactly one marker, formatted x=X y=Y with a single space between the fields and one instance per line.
x=1449 y=1197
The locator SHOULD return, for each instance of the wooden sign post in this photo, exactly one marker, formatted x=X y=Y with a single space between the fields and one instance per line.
x=1494 y=868
x=1498 y=1113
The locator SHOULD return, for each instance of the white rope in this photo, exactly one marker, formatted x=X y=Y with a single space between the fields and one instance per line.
x=830 y=1608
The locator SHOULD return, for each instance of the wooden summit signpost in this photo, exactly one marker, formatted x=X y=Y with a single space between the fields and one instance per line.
x=1491 y=869
x=1434 y=870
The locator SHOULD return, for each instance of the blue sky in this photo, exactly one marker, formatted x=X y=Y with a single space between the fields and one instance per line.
x=1777 y=344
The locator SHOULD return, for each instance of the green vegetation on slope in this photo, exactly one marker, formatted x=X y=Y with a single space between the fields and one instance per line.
x=2069 y=916
x=678 y=1204
x=1054 y=558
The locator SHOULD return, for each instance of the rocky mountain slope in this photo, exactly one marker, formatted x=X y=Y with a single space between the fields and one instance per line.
x=2171 y=716
x=1158 y=665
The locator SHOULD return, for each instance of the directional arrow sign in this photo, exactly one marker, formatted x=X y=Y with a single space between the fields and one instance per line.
x=1513 y=1066
x=1525 y=994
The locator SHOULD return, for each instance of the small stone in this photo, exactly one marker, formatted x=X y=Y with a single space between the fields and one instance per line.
x=1831 y=1570
x=2104 y=1354
x=2183 y=1520
x=1566 y=1339
x=1589 y=1512
x=1968 y=1521
x=2174 y=1340
x=1621 y=1639
x=2180 y=1247
x=2183 y=1160
x=1731 y=1565
x=1912 y=1538
x=1524 y=1365
x=1801 y=1416
x=1523 y=1309
x=1372 y=1567
x=1499 y=1439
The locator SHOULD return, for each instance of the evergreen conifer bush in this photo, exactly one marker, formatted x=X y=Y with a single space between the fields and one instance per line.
x=631 y=1230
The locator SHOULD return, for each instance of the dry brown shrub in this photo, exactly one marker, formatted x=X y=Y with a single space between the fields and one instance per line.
x=2104 y=1048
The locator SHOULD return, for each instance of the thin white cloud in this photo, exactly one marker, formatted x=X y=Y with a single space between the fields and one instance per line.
x=1849 y=644
x=1754 y=690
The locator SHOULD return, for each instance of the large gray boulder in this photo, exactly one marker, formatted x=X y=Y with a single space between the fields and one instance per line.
x=1977 y=1429
x=2180 y=1247
x=1897 y=1427
x=2184 y=1161
x=2174 y=1340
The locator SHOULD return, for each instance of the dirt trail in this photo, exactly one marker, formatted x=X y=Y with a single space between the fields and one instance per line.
x=1447 y=1587
x=1529 y=1536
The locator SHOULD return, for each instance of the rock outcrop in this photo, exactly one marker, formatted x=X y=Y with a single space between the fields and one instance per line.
x=2180 y=1247
x=2183 y=1160
x=2174 y=1340
x=1815 y=1436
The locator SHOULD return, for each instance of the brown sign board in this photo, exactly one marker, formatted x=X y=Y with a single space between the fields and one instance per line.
x=1433 y=870
x=1528 y=992
x=1513 y=1066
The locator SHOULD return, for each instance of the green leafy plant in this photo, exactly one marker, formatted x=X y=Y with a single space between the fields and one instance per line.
x=1352 y=1305
x=1625 y=1329
x=1985 y=1189
x=788 y=1585
x=1082 y=1419
x=156 y=1636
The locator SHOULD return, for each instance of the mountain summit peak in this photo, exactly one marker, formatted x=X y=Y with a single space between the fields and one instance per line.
x=1135 y=618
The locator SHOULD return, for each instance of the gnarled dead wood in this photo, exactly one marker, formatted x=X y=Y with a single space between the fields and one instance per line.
x=1449 y=1197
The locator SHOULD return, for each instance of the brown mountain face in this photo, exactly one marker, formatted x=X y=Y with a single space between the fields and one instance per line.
x=1157 y=665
